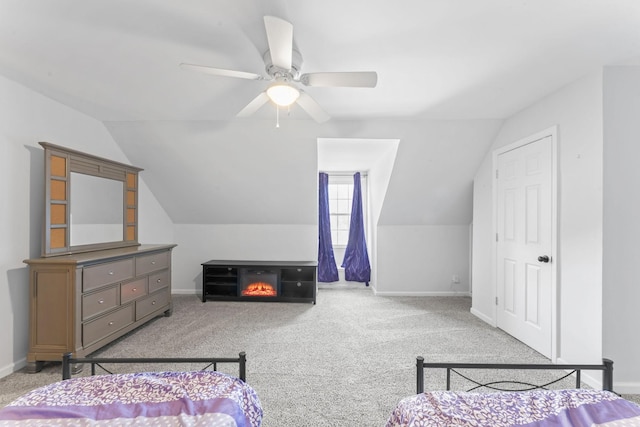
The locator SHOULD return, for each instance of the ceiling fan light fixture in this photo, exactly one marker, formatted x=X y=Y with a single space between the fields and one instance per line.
x=283 y=95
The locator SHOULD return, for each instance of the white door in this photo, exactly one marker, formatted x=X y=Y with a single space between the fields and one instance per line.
x=524 y=243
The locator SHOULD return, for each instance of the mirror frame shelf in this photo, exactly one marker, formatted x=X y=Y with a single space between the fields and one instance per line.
x=59 y=163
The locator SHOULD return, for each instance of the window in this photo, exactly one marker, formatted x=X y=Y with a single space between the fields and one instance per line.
x=340 y=201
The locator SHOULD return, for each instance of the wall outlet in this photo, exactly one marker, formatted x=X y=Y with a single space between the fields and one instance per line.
x=455 y=279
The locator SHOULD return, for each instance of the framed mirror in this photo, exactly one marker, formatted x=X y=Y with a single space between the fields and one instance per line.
x=95 y=219
x=91 y=202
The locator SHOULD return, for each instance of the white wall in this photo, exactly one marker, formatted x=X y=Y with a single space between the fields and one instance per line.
x=621 y=296
x=577 y=111
x=422 y=260
x=483 y=236
x=28 y=118
x=379 y=177
x=430 y=187
x=423 y=223
x=201 y=243
x=154 y=225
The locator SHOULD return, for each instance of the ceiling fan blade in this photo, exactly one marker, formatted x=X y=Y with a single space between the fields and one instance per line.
x=254 y=105
x=312 y=108
x=222 y=72
x=341 y=79
x=280 y=39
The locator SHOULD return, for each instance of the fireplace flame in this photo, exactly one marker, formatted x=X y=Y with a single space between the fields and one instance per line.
x=261 y=289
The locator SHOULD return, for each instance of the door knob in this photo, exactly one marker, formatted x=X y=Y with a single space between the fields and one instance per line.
x=544 y=258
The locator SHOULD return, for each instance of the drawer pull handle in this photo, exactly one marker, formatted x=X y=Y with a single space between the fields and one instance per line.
x=135 y=289
x=101 y=301
x=110 y=273
x=299 y=284
x=159 y=280
x=153 y=303
x=110 y=323
x=153 y=263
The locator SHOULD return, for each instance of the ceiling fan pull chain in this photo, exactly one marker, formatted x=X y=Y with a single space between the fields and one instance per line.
x=277 y=116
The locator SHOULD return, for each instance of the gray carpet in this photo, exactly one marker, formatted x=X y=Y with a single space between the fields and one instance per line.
x=343 y=362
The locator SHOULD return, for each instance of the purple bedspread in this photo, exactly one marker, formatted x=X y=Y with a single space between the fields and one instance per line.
x=539 y=408
x=204 y=398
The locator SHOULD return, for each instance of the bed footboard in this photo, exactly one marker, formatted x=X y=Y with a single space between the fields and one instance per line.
x=606 y=367
x=213 y=362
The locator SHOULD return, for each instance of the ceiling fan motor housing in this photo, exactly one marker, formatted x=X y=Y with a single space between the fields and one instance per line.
x=281 y=74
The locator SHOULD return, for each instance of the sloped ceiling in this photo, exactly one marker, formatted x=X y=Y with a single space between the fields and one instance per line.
x=117 y=60
x=468 y=63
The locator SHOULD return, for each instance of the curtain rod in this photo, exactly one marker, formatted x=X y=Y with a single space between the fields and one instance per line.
x=343 y=173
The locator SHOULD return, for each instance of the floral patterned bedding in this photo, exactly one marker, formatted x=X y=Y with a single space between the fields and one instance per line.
x=204 y=398
x=538 y=408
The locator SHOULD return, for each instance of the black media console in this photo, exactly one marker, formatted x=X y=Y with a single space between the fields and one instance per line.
x=284 y=281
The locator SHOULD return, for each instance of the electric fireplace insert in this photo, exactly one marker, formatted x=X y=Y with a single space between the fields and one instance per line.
x=259 y=281
x=255 y=282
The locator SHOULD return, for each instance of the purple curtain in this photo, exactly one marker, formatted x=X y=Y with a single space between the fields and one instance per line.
x=327 y=270
x=356 y=259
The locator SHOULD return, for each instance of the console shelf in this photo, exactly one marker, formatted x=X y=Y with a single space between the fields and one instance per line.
x=296 y=280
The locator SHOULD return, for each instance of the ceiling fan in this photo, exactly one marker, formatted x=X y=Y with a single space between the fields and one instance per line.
x=282 y=64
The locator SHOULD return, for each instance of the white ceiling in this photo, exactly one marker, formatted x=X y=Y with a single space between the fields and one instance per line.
x=117 y=60
x=354 y=154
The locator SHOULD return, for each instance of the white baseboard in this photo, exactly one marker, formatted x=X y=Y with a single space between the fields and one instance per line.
x=594 y=379
x=13 y=367
x=587 y=377
x=623 y=387
x=421 y=294
x=183 y=291
x=483 y=317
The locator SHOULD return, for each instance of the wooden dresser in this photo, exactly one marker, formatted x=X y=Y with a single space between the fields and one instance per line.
x=81 y=302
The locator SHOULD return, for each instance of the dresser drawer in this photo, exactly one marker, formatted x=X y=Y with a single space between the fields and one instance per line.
x=99 y=302
x=103 y=274
x=106 y=325
x=148 y=305
x=147 y=263
x=132 y=290
x=158 y=281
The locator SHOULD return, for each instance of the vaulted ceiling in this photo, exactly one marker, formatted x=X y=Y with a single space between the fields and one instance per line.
x=118 y=61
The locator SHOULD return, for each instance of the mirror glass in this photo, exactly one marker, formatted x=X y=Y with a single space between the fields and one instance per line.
x=97 y=207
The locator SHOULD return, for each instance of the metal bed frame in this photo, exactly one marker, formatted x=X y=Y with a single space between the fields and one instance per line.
x=67 y=361
x=606 y=367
